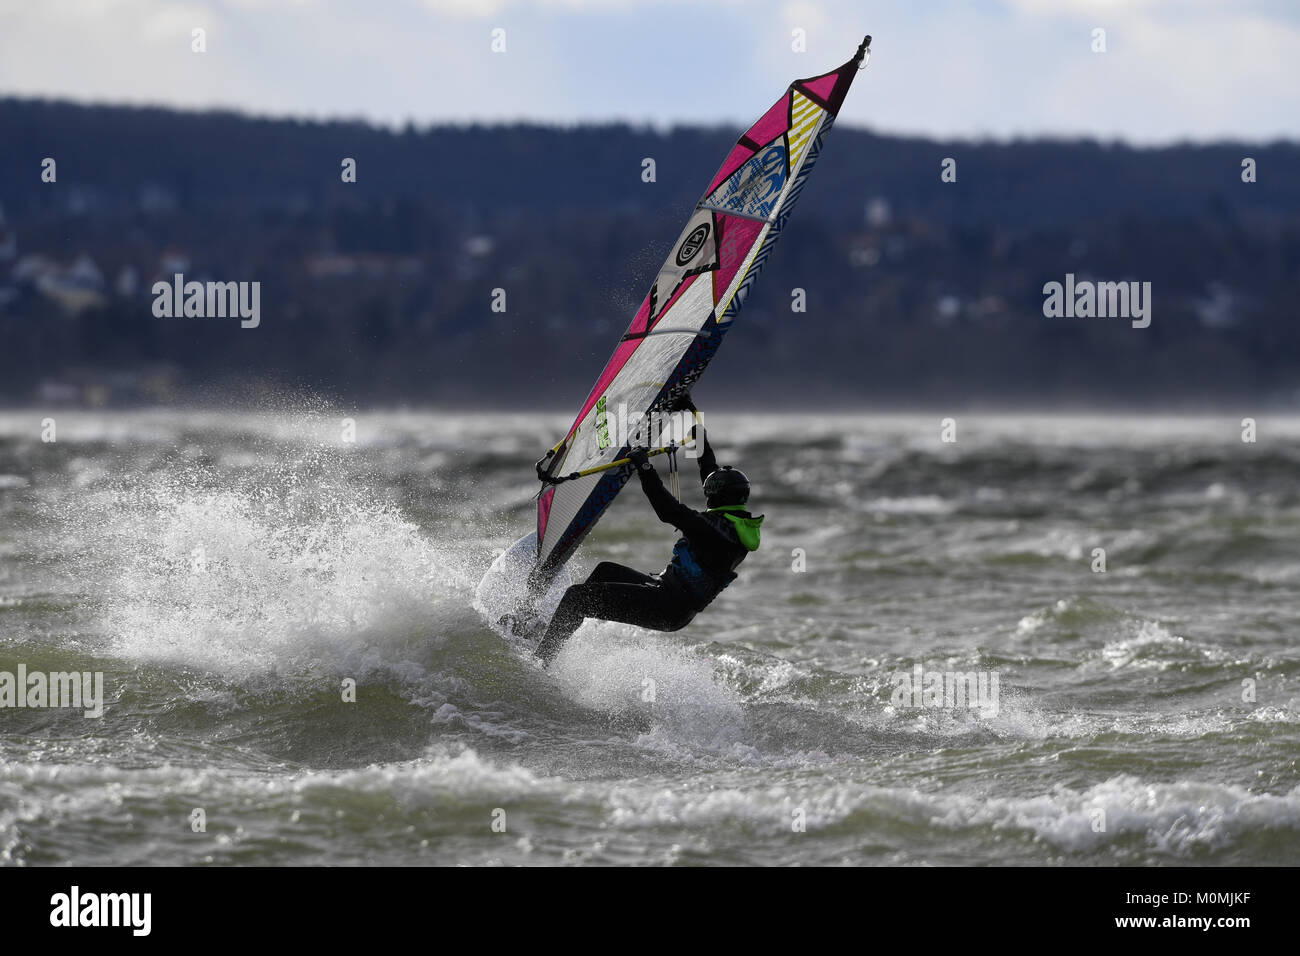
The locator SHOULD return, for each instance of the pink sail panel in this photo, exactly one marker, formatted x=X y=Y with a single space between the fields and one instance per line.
x=544 y=511
x=622 y=353
x=822 y=87
x=738 y=237
x=829 y=89
x=773 y=123
x=739 y=156
x=625 y=350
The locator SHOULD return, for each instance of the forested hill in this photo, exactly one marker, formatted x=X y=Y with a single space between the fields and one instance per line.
x=915 y=290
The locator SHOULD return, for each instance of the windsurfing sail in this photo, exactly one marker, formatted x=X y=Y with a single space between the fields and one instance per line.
x=691 y=305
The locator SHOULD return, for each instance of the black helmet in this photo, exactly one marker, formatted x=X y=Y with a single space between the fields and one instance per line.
x=726 y=486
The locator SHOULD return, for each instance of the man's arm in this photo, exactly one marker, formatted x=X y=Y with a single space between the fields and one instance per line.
x=668 y=509
x=708 y=463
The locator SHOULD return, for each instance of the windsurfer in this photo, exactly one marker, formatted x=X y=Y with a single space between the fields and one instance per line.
x=704 y=560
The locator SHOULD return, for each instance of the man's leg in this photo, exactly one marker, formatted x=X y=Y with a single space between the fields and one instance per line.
x=586 y=600
x=650 y=605
x=567 y=618
x=608 y=572
x=525 y=622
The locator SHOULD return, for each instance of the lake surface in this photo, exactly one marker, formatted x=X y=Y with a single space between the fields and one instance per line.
x=230 y=574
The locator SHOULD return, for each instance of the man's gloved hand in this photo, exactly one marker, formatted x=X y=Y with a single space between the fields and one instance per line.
x=640 y=458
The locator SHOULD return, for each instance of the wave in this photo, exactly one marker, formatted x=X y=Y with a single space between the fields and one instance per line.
x=442 y=808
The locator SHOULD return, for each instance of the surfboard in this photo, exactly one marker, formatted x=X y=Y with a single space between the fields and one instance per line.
x=503 y=594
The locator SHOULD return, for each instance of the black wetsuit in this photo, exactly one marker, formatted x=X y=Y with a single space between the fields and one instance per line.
x=703 y=563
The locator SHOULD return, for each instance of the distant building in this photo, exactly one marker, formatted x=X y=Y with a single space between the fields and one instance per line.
x=878 y=212
x=173 y=261
x=30 y=268
x=364 y=266
x=98 y=388
x=479 y=246
x=1219 y=309
x=58 y=393
x=75 y=289
x=128 y=282
x=156 y=198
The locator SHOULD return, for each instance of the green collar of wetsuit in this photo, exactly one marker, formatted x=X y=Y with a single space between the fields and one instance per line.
x=747 y=526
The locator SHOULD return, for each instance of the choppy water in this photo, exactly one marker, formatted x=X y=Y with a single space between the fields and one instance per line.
x=227 y=572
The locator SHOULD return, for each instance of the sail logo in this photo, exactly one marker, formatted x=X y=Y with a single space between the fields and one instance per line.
x=693 y=244
x=1103 y=300
x=754 y=188
x=634 y=429
x=602 y=424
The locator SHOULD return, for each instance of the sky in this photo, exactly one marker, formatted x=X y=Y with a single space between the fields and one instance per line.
x=1172 y=70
